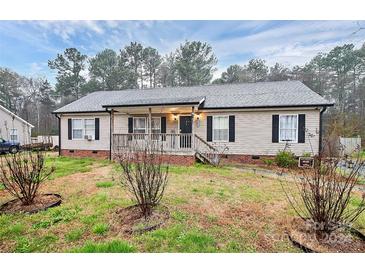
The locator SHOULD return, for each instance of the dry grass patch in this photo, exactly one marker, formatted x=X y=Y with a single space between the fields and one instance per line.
x=212 y=210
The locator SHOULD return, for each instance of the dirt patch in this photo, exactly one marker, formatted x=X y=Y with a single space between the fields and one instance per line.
x=343 y=240
x=41 y=202
x=130 y=220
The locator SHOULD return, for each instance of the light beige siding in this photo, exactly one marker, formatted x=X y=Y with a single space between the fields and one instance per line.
x=121 y=122
x=7 y=123
x=102 y=144
x=254 y=129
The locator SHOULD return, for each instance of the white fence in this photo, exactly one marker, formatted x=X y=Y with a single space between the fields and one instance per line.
x=46 y=139
x=350 y=145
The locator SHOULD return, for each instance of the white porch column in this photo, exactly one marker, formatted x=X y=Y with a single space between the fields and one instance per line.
x=192 y=128
x=111 y=133
x=149 y=123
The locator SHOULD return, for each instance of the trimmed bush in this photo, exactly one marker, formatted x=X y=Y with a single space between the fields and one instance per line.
x=285 y=159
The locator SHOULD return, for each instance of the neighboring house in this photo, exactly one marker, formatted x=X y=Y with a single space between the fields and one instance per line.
x=250 y=120
x=14 y=128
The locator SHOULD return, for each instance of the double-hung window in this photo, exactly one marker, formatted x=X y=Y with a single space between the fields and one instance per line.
x=89 y=125
x=220 y=128
x=139 y=127
x=288 y=128
x=14 y=135
x=77 y=129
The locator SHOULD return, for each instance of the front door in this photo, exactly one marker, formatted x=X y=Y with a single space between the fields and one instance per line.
x=185 y=131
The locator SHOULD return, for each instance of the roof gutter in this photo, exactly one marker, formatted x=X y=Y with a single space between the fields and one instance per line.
x=156 y=104
x=59 y=134
x=321 y=128
x=78 y=112
x=268 y=106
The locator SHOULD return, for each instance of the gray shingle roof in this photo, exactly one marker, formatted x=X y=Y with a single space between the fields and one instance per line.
x=243 y=95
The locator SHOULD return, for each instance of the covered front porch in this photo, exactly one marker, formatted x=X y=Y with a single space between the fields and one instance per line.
x=168 y=127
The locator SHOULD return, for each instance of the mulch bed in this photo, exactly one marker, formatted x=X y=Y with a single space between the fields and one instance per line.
x=41 y=202
x=130 y=219
x=343 y=240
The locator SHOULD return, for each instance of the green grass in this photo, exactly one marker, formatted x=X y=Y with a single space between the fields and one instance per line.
x=89 y=219
x=67 y=165
x=2 y=187
x=115 y=246
x=199 y=168
x=12 y=230
x=100 y=229
x=53 y=216
x=74 y=235
x=211 y=210
x=178 y=239
x=104 y=184
x=41 y=244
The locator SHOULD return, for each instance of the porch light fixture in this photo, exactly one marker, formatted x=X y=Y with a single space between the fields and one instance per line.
x=197 y=116
x=175 y=116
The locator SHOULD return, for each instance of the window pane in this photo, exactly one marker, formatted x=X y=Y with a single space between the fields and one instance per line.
x=13 y=134
x=139 y=123
x=89 y=123
x=156 y=123
x=77 y=133
x=90 y=132
x=220 y=128
x=76 y=123
x=288 y=127
x=90 y=127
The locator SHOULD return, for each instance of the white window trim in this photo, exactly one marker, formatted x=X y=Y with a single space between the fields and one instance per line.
x=296 y=134
x=220 y=141
x=82 y=128
x=145 y=124
x=17 y=136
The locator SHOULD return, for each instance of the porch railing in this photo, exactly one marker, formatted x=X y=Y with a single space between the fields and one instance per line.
x=169 y=142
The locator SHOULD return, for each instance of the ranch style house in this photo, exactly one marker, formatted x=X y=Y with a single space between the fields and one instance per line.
x=243 y=122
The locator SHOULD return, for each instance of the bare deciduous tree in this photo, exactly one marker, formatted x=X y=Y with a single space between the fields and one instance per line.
x=322 y=194
x=144 y=174
x=23 y=173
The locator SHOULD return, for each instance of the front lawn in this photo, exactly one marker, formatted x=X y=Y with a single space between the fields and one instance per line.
x=212 y=210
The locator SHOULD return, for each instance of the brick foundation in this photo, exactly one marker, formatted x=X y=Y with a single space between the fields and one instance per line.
x=101 y=154
x=244 y=159
x=179 y=160
x=184 y=160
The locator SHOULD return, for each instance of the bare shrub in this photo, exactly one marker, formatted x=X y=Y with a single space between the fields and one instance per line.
x=144 y=174
x=23 y=173
x=322 y=194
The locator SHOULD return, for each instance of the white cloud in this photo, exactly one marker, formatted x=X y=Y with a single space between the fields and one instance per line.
x=291 y=44
x=67 y=30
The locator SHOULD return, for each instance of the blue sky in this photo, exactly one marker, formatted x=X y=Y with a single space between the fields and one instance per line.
x=26 y=46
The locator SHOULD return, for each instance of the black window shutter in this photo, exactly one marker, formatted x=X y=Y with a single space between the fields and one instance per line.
x=301 y=128
x=130 y=127
x=231 y=128
x=275 y=128
x=209 y=128
x=97 y=128
x=70 y=129
x=163 y=128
